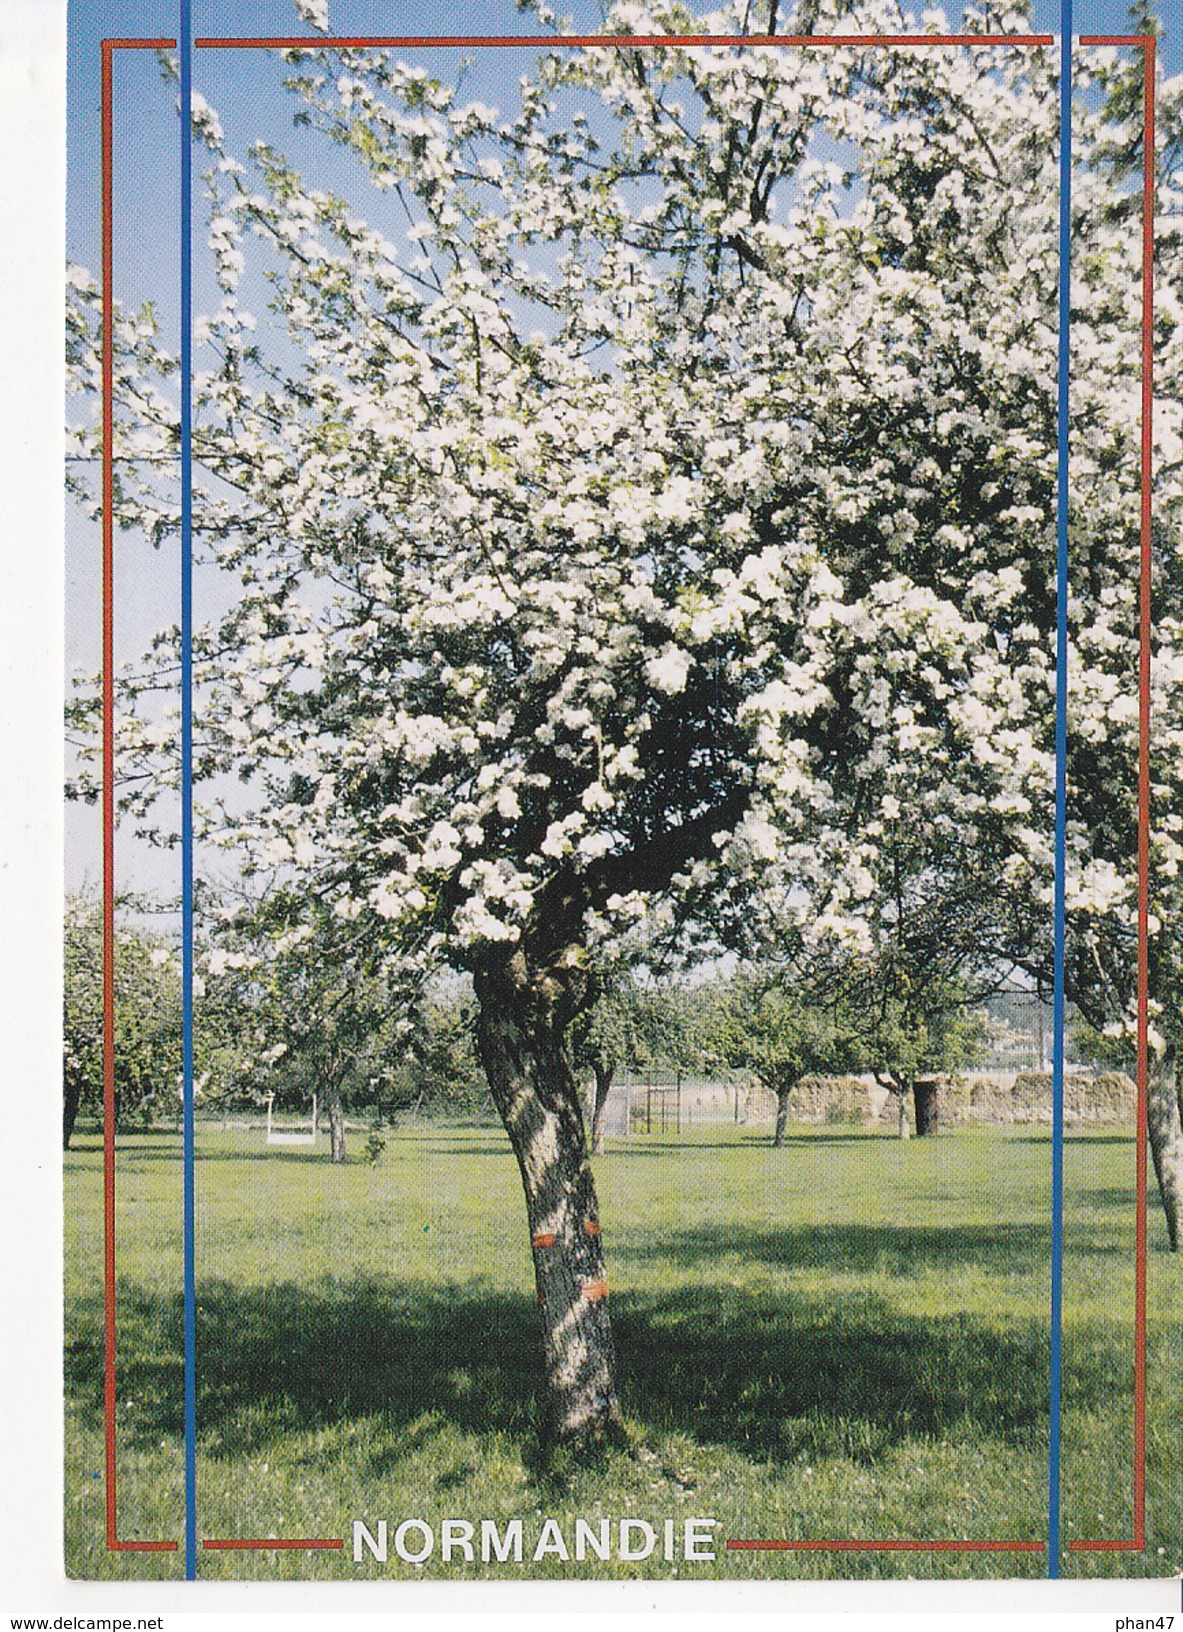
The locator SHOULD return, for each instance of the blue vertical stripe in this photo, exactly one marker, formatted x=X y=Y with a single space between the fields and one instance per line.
x=1057 y=1290
x=185 y=42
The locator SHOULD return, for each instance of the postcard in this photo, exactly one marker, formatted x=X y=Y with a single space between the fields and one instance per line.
x=623 y=827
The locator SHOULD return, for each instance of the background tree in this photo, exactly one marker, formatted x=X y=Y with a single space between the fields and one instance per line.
x=1113 y=1045
x=662 y=525
x=147 y=1018
x=643 y=1023
x=439 y=1071
x=315 y=1016
x=1165 y=1115
x=604 y=1040
x=914 y=1034
x=780 y=1032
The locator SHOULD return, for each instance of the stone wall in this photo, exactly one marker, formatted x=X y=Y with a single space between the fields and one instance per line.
x=992 y=1097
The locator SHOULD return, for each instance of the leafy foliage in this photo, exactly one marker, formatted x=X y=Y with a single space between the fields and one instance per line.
x=147 y=982
x=778 y=1034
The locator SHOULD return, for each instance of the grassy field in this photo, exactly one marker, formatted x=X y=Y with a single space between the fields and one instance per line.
x=844 y=1338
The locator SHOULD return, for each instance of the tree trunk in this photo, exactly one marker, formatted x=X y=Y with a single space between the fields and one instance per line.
x=925 y=1093
x=905 y=1125
x=782 y=1117
x=336 y=1126
x=1166 y=1139
x=70 y=1104
x=524 y=1012
x=603 y=1074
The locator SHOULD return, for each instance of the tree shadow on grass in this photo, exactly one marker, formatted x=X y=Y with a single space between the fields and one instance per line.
x=778 y=1377
x=1078 y=1136
x=1118 y=1197
x=852 y=1378
x=493 y=1144
x=260 y=1151
x=136 y=1143
x=859 y=1249
x=277 y=1156
x=642 y=1145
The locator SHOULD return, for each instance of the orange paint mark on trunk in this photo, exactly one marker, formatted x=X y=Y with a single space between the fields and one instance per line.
x=543 y=1239
x=591 y=1226
x=593 y=1291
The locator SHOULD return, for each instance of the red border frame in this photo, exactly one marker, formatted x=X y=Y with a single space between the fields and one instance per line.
x=1147 y=44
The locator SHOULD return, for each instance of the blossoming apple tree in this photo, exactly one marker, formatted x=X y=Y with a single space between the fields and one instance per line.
x=640 y=509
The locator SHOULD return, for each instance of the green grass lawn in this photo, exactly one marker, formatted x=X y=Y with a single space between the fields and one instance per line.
x=844 y=1338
